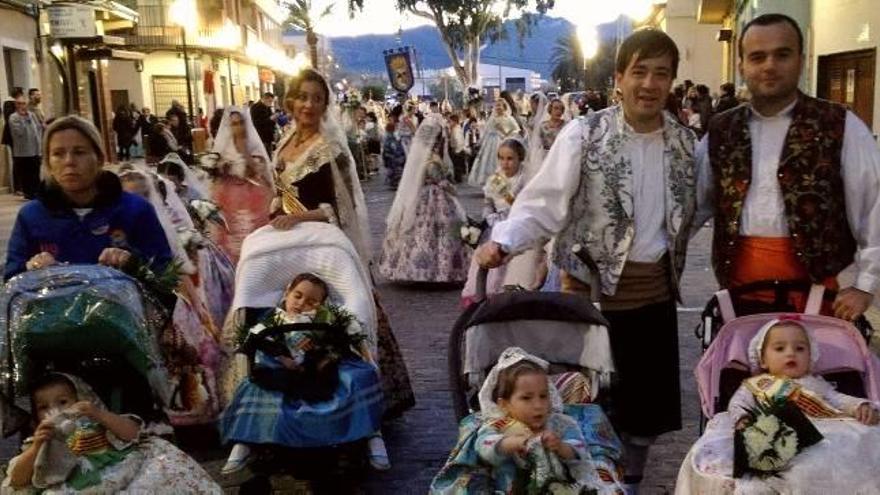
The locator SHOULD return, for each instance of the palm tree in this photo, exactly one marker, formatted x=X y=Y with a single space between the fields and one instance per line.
x=567 y=63
x=301 y=17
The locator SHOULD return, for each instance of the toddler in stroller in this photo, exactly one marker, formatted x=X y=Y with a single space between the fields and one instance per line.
x=523 y=438
x=566 y=337
x=306 y=378
x=297 y=370
x=790 y=352
x=79 y=445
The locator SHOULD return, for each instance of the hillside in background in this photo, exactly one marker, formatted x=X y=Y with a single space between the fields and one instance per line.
x=364 y=53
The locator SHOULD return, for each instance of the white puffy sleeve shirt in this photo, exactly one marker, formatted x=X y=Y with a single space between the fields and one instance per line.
x=764 y=211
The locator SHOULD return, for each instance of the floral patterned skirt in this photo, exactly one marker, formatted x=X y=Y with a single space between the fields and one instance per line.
x=432 y=250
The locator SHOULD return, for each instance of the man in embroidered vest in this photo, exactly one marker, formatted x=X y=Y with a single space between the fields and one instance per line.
x=621 y=183
x=793 y=182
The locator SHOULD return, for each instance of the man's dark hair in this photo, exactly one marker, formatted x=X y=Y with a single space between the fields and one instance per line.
x=769 y=20
x=728 y=89
x=16 y=92
x=688 y=84
x=702 y=90
x=32 y=91
x=646 y=43
x=268 y=94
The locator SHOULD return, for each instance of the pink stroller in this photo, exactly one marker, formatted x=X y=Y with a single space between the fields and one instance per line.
x=844 y=360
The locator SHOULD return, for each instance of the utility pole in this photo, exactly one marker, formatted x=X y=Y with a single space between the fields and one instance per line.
x=189 y=96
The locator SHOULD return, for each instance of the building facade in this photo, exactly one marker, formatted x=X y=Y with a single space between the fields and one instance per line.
x=234 y=53
x=700 y=51
x=841 y=38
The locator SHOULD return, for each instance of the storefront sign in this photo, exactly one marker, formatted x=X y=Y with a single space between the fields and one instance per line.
x=71 y=21
x=267 y=76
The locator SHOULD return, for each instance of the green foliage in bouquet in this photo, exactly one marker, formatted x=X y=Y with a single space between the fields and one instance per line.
x=776 y=431
x=163 y=284
x=332 y=314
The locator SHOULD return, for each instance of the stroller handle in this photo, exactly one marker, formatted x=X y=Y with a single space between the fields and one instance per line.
x=577 y=250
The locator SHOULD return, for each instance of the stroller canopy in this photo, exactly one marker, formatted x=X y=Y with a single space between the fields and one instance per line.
x=271 y=258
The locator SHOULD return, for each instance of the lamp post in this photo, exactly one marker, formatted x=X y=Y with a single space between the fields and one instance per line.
x=589 y=41
x=183 y=13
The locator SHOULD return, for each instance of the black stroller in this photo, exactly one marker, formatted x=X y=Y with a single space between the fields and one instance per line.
x=566 y=330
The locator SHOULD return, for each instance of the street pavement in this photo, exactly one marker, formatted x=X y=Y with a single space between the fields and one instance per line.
x=422 y=317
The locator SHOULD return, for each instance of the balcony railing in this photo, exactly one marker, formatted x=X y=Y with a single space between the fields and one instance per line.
x=155 y=30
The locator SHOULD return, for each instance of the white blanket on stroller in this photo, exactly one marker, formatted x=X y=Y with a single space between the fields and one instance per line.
x=845 y=461
x=271 y=258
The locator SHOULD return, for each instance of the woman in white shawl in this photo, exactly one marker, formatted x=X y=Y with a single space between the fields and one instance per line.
x=243 y=180
x=499 y=127
x=316 y=180
x=551 y=118
x=422 y=242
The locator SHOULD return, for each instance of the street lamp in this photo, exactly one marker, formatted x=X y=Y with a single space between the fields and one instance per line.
x=183 y=13
x=589 y=41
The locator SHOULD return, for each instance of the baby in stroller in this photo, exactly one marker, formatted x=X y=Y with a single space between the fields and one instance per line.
x=79 y=445
x=523 y=439
x=303 y=379
x=786 y=351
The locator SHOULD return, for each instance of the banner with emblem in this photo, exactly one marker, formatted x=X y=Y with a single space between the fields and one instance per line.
x=400 y=71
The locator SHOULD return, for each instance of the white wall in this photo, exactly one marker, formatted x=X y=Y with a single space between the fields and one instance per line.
x=701 y=55
x=18 y=31
x=843 y=26
x=121 y=74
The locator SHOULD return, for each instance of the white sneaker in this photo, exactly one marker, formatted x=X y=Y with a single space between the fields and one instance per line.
x=238 y=459
x=377 y=453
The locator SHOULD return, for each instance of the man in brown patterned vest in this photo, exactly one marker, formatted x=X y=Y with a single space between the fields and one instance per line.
x=792 y=180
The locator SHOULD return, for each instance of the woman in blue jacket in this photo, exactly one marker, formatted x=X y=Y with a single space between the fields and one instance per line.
x=81 y=214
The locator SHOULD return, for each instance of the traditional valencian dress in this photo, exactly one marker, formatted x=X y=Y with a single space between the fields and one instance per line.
x=428 y=248
x=497 y=129
x=844 y=462
x=257 y=415
x=498 y=196
x=317 y=179
x=475 y=465
x=83 y=457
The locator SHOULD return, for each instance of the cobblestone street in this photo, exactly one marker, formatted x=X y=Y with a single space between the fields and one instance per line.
x=422 y=317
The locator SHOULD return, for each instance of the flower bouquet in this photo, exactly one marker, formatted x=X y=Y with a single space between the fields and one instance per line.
x=315 y=350
x=498 y=186
x=471 y=231
x=207 y=211
x=774 y=433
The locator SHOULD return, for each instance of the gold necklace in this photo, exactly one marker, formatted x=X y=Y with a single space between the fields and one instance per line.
x=297 y=141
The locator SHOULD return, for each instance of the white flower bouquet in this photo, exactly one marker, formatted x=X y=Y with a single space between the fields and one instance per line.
x=471 y=231
x=208 y=211
x=773 y=435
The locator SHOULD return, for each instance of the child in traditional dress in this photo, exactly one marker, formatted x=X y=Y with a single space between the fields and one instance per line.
x=783 y=348
x=844 y=462
x=393 y=155
x=79 y=445
x=298 y=415
x=499 y=192
x=524 y=438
